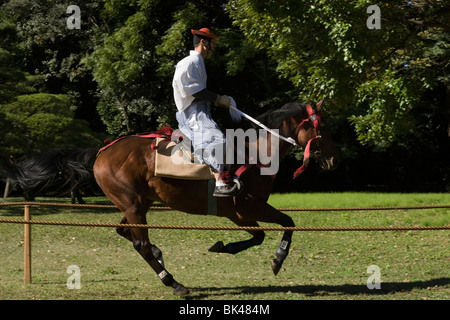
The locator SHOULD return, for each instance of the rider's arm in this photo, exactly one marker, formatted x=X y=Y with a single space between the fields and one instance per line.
x=205 y=94
x=216 y=99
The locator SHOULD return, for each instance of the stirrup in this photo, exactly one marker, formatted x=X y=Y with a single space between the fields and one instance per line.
x=230 y=189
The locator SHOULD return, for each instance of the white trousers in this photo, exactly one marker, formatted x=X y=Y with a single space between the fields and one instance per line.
x=208 y=141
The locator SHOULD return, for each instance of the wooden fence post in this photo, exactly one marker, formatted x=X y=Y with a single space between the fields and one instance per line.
x=6 y=192
x=27 y=245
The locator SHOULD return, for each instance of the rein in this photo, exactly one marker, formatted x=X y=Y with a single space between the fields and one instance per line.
x=289 y=139
x=312 y=117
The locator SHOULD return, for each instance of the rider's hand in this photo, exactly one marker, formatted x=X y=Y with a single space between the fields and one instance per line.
x=223 y=101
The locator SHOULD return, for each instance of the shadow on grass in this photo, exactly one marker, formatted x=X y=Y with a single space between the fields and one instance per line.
x=319 y=290
x=17 y=210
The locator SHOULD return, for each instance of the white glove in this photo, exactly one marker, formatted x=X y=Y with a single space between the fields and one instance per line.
x=223 y=101
x=234 y=112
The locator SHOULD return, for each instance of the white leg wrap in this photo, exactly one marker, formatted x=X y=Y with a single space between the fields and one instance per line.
x=162 y=274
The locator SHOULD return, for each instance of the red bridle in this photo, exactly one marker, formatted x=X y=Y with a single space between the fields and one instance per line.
x=314 y=118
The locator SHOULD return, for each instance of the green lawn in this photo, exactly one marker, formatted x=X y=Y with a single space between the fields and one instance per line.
x=321 y=265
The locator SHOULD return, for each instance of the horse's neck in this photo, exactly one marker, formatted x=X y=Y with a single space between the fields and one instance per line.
x=282 y=146
x=267 y=144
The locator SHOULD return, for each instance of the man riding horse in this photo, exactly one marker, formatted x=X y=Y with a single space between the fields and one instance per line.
x=193 y=102
x=126 y=170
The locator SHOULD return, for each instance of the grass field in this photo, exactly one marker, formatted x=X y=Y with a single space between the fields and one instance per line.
x=321 y=265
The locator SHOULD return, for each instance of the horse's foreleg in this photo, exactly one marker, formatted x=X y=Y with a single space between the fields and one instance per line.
x=282 y=252
x=79 y=198
x=264 y=212
x=72 y=196
x=283 y=249
x=235 y=247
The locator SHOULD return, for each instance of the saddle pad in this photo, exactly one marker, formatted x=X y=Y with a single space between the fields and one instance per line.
x=176 y=165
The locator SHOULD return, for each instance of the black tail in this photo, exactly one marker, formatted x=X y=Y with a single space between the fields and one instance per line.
x=54 y=171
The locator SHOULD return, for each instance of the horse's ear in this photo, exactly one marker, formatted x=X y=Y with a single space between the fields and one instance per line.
x=319 y=104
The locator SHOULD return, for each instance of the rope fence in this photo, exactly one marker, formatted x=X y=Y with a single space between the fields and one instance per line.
x=183 y=227
x=245 y=228
x=28 y=222
x=102 y=206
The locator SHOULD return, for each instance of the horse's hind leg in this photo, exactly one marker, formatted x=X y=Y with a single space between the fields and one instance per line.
x=126 y=233
x=235 y=247
x=135 y=213
x=141 y=242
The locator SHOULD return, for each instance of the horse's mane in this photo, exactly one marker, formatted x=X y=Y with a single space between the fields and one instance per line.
x=274 y=118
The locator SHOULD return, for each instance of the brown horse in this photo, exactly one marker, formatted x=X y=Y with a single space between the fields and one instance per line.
x=125 y=172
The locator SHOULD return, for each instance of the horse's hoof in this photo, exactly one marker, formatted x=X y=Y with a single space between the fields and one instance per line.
x=180 y=290
x=276 y=266
x=217 y=247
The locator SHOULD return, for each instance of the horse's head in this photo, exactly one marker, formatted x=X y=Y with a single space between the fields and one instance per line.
x=310 y=131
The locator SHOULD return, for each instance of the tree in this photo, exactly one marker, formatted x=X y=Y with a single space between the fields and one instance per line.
x=32 y=118
x=10 y=73
x=124 y=64
x=387 y=90
x=326 y=50
x=46 y=47
x=42 y=121
x=134 y=61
